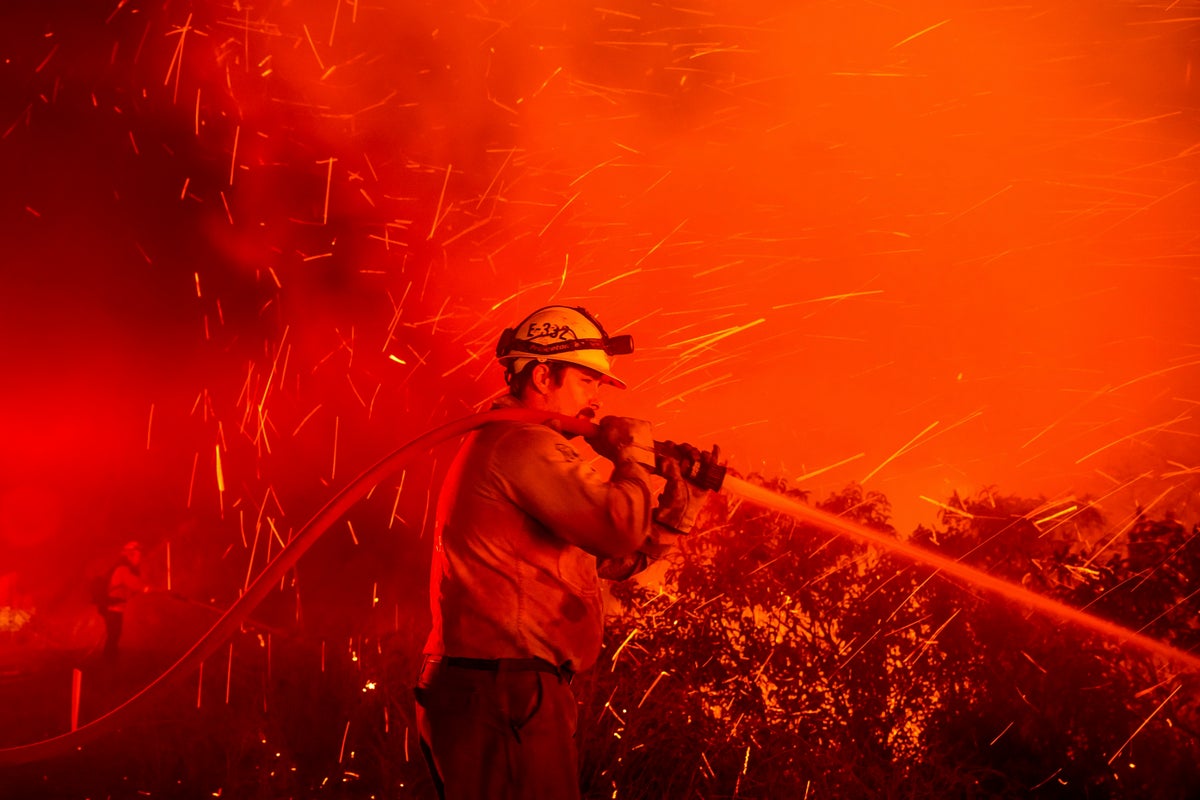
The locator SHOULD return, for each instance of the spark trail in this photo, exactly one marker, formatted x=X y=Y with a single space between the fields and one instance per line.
x=975 y=577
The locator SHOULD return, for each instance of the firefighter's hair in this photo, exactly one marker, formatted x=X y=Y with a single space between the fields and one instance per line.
x=518 y=382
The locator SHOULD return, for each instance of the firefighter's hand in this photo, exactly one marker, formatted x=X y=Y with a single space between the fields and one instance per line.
x=623 y=439
x=681 y=501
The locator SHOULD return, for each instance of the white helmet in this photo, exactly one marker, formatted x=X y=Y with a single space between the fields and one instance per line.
x=566 y=334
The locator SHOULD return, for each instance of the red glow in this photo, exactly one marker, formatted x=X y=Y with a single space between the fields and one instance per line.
x=251 y=247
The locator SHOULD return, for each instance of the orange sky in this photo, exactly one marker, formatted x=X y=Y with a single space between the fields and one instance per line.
x=940 y=246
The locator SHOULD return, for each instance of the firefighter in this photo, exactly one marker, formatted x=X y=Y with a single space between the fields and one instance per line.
x=525 y=527
x=124 y=580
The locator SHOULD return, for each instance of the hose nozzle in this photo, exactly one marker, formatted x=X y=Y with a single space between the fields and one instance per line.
x=700 y=468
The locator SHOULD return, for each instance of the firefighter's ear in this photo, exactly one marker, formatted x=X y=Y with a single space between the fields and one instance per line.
x=540 y=378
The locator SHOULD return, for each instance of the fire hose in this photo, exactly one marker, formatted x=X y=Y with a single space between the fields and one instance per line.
x=695 y=468
x=700 y=468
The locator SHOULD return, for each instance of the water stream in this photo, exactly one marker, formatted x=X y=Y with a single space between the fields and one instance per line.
x=948 y=566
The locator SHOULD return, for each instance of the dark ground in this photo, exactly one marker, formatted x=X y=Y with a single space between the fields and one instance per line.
x=283 y=717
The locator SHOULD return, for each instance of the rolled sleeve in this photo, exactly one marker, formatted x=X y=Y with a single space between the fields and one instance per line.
x=658 y=544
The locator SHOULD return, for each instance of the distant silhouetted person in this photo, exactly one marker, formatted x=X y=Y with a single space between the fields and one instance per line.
x=124 y=580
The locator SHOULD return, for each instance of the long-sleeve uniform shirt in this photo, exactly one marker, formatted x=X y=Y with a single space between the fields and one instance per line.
x=522 y=520
x=123 y=583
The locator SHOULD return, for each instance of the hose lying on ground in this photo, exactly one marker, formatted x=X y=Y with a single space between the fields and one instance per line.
x=286 y=559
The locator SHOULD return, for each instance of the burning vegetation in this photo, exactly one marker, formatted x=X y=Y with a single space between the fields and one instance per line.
x=768 y=659
x=906 y=249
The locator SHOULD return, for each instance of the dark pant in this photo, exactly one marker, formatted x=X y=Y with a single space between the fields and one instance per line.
x=113 y=622
x=498 y=734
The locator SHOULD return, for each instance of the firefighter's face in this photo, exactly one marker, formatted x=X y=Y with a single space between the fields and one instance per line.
x=578 y=395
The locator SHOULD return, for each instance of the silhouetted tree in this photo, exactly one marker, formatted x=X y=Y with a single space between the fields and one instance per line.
x=776 y=659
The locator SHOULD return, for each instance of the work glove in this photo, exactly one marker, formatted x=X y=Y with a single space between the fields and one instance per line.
x=624 y=439
x=680 y=501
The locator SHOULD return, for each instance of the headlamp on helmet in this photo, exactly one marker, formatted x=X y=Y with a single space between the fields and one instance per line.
x=565 y=334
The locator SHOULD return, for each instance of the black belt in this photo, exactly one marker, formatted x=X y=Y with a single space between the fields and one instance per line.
x=505 y=665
